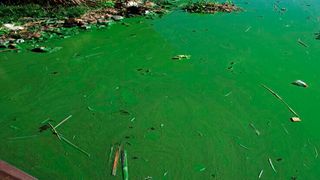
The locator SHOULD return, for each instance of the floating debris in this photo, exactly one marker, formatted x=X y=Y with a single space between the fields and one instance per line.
x=200 y=133
x=45 y=121
x=62 y=121
x=226 y=95
x=124 y=165
x=165 y=173
x=181 y=57
x=302 y=43
x=243 y=146
x=90 y=108
x=14 y=127
x=73 y=145
x=260 y=174
x=133 y=119
x=116 y=160
x=54 y=131
x=300 y=83
x=248 y=29
x=23 y=137
x=202 y=169
x=316 y=152
x=277 y=96
x=210 y=7
x=255 y=129
x=295 y=119
x=110 y=154
x=285 y=129
x=271 y=164
x=124 y=112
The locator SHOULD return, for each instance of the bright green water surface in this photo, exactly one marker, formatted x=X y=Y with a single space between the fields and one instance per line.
x=190 y=118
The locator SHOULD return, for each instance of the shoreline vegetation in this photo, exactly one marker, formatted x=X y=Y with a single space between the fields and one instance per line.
x=36 y=21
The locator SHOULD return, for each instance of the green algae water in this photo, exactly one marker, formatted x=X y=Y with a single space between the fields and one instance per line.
x=187 y=119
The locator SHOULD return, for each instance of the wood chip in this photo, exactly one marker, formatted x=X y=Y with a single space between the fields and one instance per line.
x=295 y=119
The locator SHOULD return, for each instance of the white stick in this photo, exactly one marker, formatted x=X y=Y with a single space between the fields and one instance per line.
x=260 y=174
x=63 y=121
x=271 y=164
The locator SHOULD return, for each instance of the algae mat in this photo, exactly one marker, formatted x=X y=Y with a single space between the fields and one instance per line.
x=186 y=119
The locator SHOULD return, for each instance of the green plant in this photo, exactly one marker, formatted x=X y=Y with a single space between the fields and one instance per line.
x=106 y=4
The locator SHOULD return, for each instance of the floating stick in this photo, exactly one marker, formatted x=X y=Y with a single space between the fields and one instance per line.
x=75 y=146
x=54 y=131
x=22 y=137
x=124 y=165
x=63 y=121
x=271 y=164
x=302 y=43
x=260 y=174
x=243 y=146
x=316 y=152
x=277 y=96
x=115 y=162
x=248 y=29
x=110 y=155
x=45 y=121
x=255 y=129
x=285 y=129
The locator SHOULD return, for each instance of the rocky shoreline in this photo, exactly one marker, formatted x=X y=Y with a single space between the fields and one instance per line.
x=41 y=29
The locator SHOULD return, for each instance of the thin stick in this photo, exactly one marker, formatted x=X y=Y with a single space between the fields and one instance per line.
x=45 y=121
x=243 y=146
x=248 y=29
x=302 y=43
x=124 y=165
x=115 y=162
x=277 y=96
x=54 y=131
x=255 y=129
x=63 y=121
x=285 y=129
x=22 y=137
x=271 y=164
x=110 y=155
x=316 y=152
x=260 y=174
x=75 y=146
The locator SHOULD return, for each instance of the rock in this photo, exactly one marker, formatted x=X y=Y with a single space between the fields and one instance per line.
x=13 y=27
x=149 y=4
x=2 y=46
x=85 y=27
x=40 y=49
x=117 y=18
x=132 y=3
x=72 y=22
x=12 y=46
x=103 y=22
x=18 y=41
x=11 y=40
x=36 y=35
